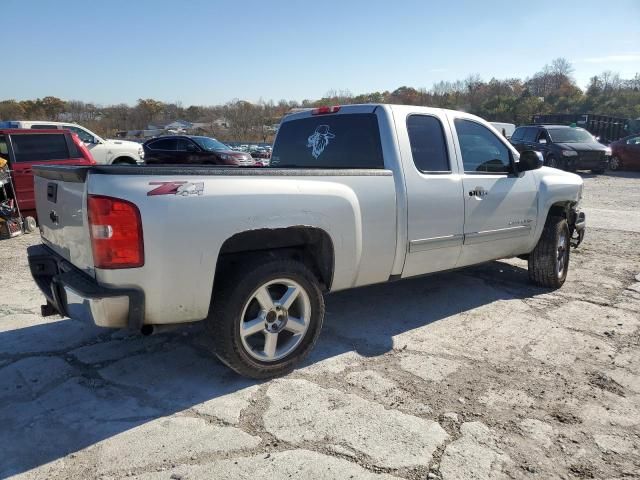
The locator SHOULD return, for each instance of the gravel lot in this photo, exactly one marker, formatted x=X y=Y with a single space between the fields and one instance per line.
x=472 y=374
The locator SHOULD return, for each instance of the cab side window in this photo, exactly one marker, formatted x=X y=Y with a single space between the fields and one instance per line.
x=530 y=134
x=543 y=135
x=428 y=146
x=518 y=135
x=164 y=144
x=40 y=147
x=482 y=151
x=186 y=145
x=85 y=136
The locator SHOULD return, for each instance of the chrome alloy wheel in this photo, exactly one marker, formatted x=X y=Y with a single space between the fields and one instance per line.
x=275 y=319
x=562 y=258
x=614 y=163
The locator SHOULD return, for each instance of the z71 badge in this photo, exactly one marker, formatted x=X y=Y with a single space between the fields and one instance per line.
x=184 y=189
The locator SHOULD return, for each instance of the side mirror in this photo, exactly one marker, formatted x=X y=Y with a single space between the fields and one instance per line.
x=542 y=141
x=529 y=160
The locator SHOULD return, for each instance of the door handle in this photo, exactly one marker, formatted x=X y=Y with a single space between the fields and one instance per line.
x=27 y=171
x=478 y=192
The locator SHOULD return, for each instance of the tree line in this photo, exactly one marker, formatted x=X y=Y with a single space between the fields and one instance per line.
x=551 y=90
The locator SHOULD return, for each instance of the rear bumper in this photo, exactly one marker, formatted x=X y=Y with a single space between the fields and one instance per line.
x=74 y=294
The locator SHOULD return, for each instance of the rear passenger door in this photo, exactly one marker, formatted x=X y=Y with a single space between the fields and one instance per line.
x=163 y=151
x=500 y=207
x=434 y=193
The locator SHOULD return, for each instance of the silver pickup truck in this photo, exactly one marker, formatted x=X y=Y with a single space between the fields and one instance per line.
x=354 y=195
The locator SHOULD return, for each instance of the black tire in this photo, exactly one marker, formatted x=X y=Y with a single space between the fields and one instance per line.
x=238 y=292
x=545 y=268
x=123 y=161
x=552 y=162
x=562 y=164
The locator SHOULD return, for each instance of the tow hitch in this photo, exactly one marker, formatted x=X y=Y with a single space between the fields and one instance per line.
x=578 y=230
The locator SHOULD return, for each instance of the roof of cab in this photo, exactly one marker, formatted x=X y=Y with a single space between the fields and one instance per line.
x=356 y=108
x=21 y=131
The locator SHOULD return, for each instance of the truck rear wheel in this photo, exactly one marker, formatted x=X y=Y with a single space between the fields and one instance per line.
x=549 y=261
x=266 y=318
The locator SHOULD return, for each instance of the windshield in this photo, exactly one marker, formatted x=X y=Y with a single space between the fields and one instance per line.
x=570 y=135
x=210 y=144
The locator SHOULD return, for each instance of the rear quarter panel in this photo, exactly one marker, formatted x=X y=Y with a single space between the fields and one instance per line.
x=183 y=234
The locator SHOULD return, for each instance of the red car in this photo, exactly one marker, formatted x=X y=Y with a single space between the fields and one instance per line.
x=625 y=153
x=26 y=148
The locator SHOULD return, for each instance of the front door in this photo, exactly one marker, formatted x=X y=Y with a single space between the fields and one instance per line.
x=500 y=207
x=434 y=193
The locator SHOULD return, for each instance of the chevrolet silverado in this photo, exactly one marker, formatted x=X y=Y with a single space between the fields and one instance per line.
x=354 y=195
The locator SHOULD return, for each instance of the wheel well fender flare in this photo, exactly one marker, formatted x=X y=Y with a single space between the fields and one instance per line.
x=311 y=245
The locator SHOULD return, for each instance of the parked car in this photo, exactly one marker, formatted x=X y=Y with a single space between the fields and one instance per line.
x=625 y=153
x=563 y=147
x=261 y=153
x=506 y=129
x=24 y=149
x=104 y=152
x=193 y=150
x=355 y=195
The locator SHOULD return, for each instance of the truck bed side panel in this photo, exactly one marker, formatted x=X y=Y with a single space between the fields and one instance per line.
x=183 y=234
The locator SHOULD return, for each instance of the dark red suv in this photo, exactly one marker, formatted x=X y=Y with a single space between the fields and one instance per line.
x=26 y=148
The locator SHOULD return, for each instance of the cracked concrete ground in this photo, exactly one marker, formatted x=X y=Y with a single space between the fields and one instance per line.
x=467 y=375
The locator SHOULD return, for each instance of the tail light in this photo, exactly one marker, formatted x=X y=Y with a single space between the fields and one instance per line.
x=325 y=110
x=116 y=233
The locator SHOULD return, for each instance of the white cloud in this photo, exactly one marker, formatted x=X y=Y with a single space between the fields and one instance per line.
x=619 y=58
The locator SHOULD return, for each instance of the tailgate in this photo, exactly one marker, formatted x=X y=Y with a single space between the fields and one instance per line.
x=60 y=194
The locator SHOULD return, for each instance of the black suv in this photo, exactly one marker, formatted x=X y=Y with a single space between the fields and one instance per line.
x=567 y=148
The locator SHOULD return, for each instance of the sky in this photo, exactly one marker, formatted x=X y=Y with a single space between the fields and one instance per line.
x=204 y=52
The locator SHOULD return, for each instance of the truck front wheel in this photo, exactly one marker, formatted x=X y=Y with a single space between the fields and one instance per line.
x=549 y=261
x=266 y=318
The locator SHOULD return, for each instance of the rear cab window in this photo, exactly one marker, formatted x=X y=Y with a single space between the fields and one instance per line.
x=40 y=147
x=44 y=127
x=349 y=141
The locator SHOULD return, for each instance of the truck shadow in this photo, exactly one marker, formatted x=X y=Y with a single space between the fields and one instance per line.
x=66 y=386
